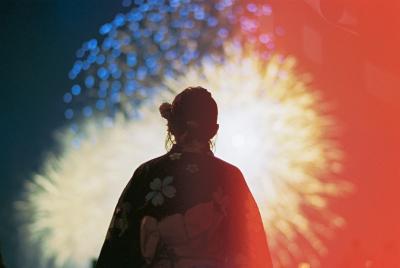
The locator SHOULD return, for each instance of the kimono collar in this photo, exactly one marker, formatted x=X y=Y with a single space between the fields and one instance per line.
x=176 y=148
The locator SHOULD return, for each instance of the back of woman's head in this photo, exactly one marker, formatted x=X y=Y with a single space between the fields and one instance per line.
x=193 y=113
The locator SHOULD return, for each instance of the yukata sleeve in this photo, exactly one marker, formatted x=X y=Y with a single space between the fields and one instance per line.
x=121 y=247
x=247 y=241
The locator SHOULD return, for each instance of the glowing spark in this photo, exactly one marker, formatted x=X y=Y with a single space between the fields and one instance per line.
x=272 y=126
x=68 y=206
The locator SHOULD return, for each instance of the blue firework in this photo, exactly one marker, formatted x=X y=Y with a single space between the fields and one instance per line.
x=155 y=39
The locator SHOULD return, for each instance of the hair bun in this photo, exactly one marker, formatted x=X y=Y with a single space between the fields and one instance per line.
x=166 y=110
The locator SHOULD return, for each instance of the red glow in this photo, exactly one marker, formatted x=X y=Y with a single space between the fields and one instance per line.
x=357 y=67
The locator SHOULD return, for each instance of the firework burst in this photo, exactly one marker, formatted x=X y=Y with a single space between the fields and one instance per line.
x=277 y=130
x=273 y=126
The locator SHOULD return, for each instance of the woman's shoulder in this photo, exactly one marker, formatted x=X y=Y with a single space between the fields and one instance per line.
x=141 y=174
x=150 y=164
x=227 y=167
x=166 y=160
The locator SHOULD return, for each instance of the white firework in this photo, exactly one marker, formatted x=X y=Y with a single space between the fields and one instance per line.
x=272 y=126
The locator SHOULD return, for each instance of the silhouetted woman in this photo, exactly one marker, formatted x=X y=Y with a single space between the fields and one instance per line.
x=187 y=208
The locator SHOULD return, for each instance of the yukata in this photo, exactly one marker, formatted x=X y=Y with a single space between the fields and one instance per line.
x=186 y=210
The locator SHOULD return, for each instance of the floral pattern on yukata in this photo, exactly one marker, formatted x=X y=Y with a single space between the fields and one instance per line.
x=167 y=242
x=161 y=189
x=119 y=221
x=225 y=231
x=192 y=168
x=221 y=200
x=175 y=156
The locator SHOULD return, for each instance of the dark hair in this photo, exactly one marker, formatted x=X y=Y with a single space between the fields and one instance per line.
x=193 y=111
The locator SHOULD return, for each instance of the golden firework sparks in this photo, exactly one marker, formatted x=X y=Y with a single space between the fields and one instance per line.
x=272 y=126
x=278 y=131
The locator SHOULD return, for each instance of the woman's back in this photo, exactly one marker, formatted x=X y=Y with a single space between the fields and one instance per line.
x=186 y=209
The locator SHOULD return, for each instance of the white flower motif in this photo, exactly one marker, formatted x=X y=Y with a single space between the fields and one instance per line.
x=160 y=189
x=175 y=156
x=192 y=168
x=120 y=219
x=221 y=200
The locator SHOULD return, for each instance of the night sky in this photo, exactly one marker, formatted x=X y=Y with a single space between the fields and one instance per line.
x=38 y=43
